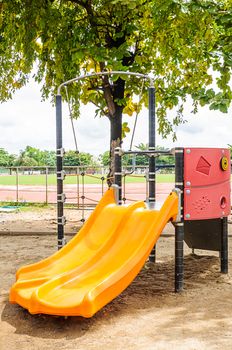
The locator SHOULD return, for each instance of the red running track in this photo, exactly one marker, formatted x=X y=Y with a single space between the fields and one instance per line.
x=92 y=193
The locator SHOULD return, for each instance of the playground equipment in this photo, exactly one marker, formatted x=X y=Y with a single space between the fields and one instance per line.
x=202 y=175
x=61 y=220
x=98 y=263
x=116 y=240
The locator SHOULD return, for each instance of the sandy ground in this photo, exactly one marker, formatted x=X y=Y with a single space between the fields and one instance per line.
x=40 y=220
x=147 y=315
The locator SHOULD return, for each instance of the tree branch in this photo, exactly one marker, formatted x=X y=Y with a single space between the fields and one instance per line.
x=107 y=92
x=98 y=106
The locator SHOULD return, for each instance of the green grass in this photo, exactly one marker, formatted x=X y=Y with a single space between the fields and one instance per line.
x=39 y=180
x=26 y=206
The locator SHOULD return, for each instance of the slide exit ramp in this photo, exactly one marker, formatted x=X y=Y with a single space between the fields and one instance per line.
x=98 y=263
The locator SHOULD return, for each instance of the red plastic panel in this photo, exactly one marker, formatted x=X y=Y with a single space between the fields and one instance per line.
x=206 y=185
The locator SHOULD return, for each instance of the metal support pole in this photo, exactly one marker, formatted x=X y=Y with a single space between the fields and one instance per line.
x=83 y=196
x=102 y=185
x=124 y=189
x=46 y=185
x=151 y=147
x=118 y=173
x=179 y=227
x=59 y=174
x=17 y=185
x=224 y=245
x=78 y=189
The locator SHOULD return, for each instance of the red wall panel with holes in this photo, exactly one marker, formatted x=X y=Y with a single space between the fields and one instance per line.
x=206 y=183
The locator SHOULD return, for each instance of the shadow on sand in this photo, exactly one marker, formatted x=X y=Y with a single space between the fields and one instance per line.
x=150 y=288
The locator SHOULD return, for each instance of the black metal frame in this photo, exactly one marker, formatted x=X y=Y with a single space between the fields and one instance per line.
x=60 y=174
x=118 y=173
x=152 y=153
x=192 y=234
x=224 y=245
x=61 y=220
x=152 y=160
x=179 y=227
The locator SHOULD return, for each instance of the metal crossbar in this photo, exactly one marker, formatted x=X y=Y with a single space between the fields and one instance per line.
x=92 y=75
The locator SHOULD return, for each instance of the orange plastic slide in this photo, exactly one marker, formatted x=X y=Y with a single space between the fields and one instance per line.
x=97 y=264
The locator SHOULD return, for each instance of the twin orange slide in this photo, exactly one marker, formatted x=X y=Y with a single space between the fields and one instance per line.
x=97 y=264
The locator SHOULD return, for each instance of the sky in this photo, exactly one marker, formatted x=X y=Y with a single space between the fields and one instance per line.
x=25 y=120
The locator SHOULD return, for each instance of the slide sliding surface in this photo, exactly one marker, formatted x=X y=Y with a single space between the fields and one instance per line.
x=81 y=249
x=121 y=244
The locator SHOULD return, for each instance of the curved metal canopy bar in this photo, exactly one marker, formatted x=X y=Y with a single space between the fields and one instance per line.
x=90 y=75
x=60 y=151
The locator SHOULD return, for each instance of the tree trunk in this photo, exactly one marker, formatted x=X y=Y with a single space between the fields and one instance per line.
x=115 y=125
x=115 y=140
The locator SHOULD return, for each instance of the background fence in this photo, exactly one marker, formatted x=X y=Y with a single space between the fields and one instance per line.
x=83 y=186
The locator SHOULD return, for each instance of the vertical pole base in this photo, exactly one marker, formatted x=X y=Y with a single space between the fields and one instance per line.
x=179 y=257
x=224 y=246
x=152 y=256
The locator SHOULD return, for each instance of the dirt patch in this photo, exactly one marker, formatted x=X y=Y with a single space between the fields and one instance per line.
x=40 y=220
x=147 y=315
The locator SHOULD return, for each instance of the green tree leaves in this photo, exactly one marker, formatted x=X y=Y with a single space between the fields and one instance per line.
x=187 y=45
x=32 y=156
x=71 y=158
x=6 y=159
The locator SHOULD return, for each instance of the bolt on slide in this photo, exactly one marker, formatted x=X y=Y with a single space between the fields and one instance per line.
x=98 y=263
